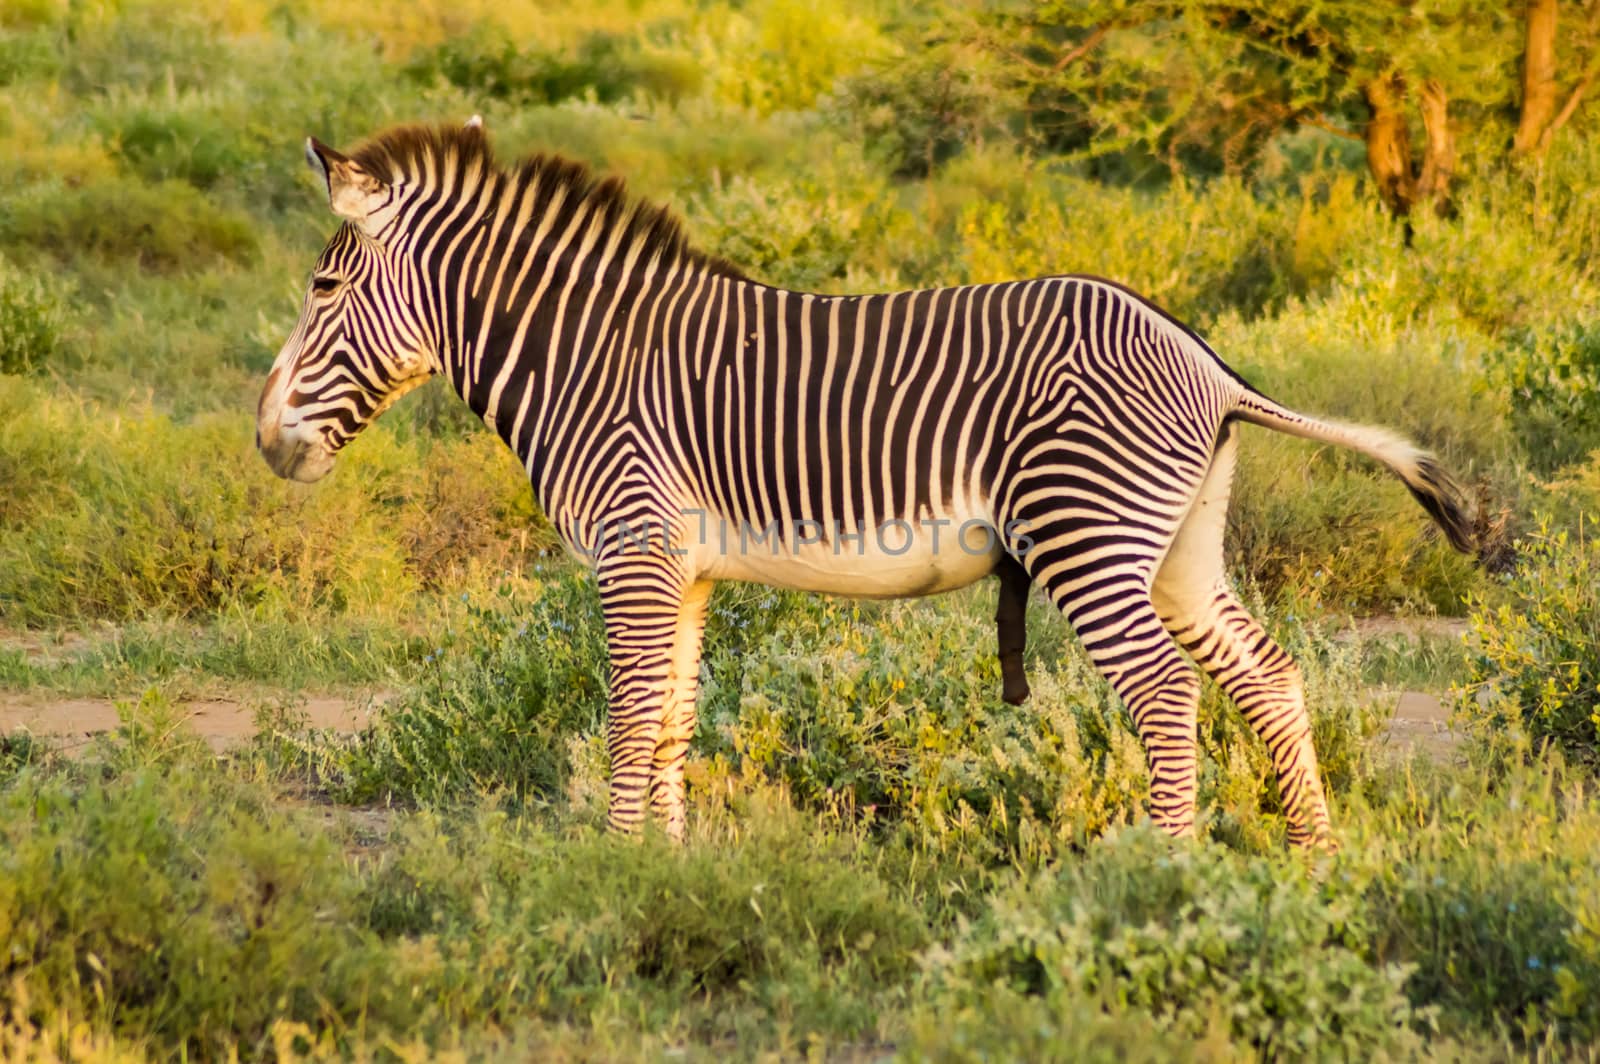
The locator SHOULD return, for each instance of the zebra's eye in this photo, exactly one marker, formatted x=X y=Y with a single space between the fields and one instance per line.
x=324 y=285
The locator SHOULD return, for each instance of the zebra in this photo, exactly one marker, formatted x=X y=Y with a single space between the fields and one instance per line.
x=1061 y=431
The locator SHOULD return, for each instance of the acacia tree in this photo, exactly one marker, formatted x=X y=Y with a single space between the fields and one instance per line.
x=1205 y=85
x=1541 y=118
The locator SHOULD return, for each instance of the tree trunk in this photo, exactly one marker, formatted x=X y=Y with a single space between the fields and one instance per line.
x=1439 y=160
x=1538 y=79
x=1389 y=143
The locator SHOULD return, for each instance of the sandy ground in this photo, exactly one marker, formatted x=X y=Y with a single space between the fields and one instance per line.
x=73 y=722
x=1420 y=722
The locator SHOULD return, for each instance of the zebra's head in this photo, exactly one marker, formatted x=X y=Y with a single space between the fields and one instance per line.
x=361 y=342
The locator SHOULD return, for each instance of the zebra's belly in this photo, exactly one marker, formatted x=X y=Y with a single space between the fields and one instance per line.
x=890 y=559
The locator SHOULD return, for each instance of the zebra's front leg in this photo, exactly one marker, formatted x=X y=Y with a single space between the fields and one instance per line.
x=667 y=799
x=641 y=595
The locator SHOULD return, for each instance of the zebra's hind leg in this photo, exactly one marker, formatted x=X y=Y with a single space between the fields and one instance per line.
x=1110 y=609
x=678 y=721
x=1192 y=595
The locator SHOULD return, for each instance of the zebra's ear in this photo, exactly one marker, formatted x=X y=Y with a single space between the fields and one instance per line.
x=353 y=194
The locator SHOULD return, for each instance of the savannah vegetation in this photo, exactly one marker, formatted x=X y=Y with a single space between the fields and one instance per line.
x=1385 y=212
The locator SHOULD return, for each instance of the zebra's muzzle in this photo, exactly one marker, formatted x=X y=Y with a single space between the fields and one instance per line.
x=298 y=459
x=291 y=454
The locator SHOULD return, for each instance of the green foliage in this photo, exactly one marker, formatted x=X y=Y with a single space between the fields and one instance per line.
x=1552 y=381
x=167 y=226
x=122 y=519
x=923 y=110
x=784 y=55
x=882 y=857
x=604 y=66
x=496 y=705
x=839 y=705
x=33 y=318
x=1197 y=941
x=1535 y=662
x=772 y=230
x=180 y=906
x=1489 y=901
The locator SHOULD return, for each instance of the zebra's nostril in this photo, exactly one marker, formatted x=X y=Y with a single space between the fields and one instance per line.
x=258 y=437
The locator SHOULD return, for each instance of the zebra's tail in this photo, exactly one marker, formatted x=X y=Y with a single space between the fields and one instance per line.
x=1430 y=484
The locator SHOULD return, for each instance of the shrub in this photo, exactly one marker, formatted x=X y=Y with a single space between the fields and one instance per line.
x=32 y=320
x=196 y=138
x=1483 y=883
x=128 y=517
x=1535 y=659
x=1194 y=939
x=920 y=111
x=166 y=227
x=771 y=229
x=176 y=907
x=604 y=66
x=1551 y=383
x=764 y=927
x=1323 y=524
x=782 y=55
x=496 y=708
x=150 y=517
x=893 y=713
x=28 y=55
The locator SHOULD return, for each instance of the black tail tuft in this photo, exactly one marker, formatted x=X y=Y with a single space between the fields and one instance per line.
x=1445 y=502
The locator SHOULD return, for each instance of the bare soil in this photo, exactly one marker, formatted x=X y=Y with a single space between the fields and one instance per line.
x=73 y=722
x=1421 y=723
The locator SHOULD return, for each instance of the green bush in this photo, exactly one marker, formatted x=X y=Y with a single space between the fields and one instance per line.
x=918 y=113
x=33 y=318
x=771 y=229
x=1194 y=939
x=497 y=707
x=28 y=55
x=166 y=227
x=892 y=713
x=1535 y=657
x=1319 y=523
x=763 y=928
x=1483 y=883
x=178 y=905
x=138 y=515
x=1551 y=381
x=195 y=138
x=190 y=911
x=769 y=56
x=604 y=66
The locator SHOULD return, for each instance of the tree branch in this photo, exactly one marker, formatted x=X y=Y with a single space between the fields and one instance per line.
x=1088 y=45
x=1320 y=123
x=1575 y=98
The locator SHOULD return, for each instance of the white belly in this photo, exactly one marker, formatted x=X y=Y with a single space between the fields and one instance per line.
x=889 y=559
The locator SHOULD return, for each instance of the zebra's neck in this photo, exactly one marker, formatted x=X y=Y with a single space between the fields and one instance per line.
x=547 y=317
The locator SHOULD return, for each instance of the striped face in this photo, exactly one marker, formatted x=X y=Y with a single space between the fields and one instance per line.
x=358 y=346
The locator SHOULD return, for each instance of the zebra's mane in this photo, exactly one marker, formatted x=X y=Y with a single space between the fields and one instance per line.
x=403 y=151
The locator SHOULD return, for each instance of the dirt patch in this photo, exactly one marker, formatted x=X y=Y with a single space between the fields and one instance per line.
x=1364 y=628
x=43 y=648
x=1420 y=725
x=221 y=723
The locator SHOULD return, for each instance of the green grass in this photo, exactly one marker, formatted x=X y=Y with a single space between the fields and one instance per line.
x=175 y=903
